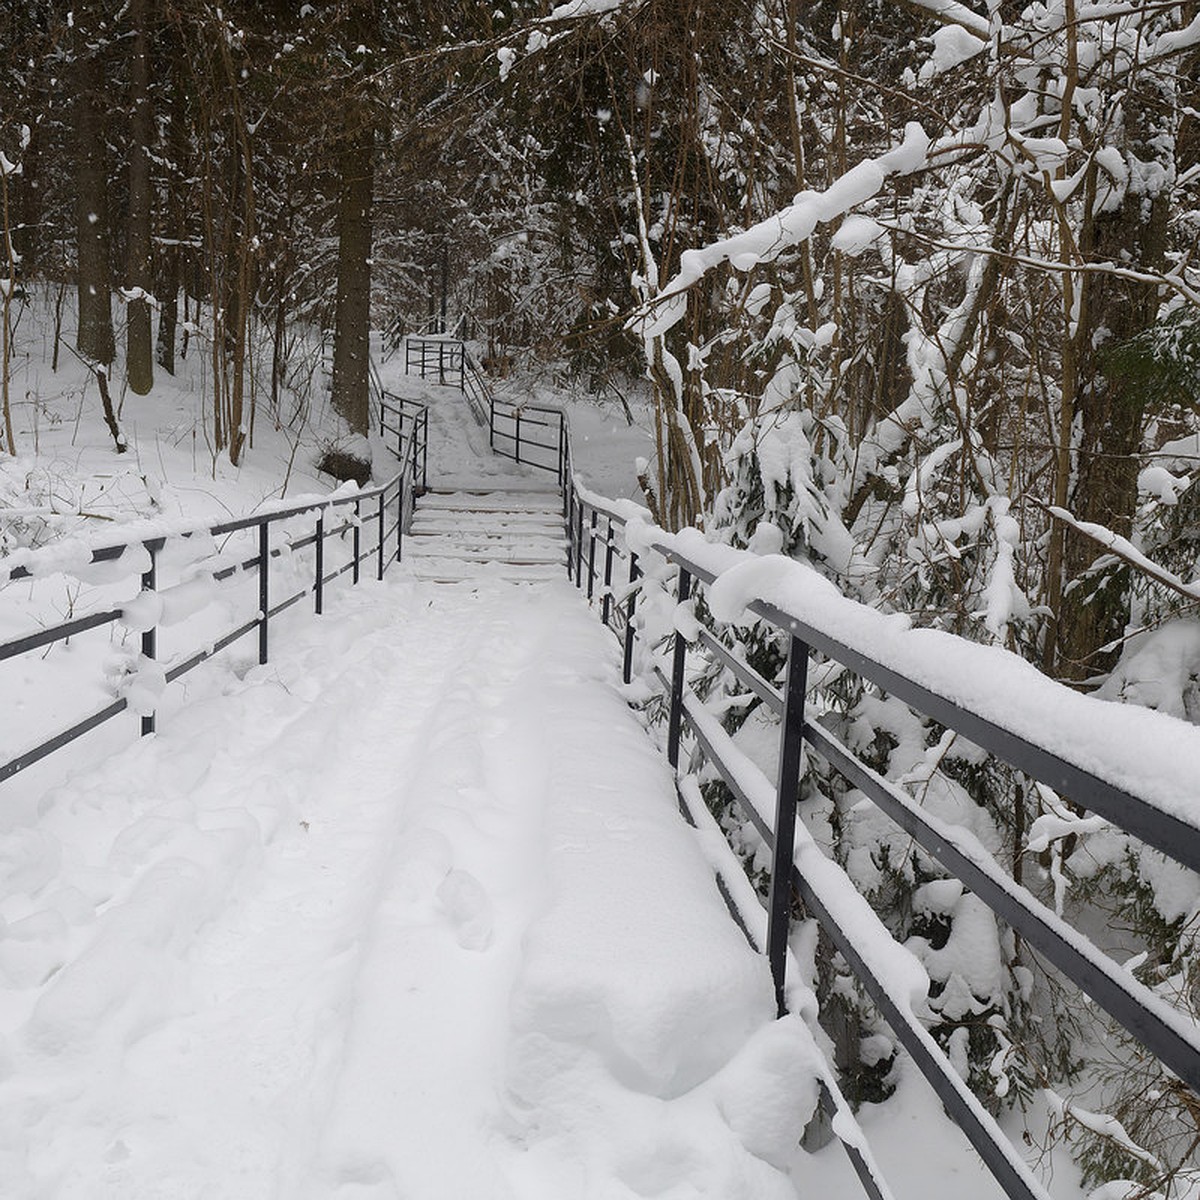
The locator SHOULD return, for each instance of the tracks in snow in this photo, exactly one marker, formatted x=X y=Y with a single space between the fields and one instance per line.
x=407 y=914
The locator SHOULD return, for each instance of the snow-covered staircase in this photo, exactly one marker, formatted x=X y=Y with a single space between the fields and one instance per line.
x=501 y=533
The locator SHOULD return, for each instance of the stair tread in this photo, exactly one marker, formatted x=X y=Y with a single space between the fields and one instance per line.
x=430 y=543
x=550 y=558
x=510 y=574
x=490 y=502
x=433 y=525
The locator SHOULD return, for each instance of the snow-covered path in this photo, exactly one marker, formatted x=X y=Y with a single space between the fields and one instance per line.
x=409 y=912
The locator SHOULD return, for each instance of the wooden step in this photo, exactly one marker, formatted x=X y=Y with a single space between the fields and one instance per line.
x=492 y=547
x=487 y=525
x=475 y=535
x=490 y=502
x=523 y=555
x=432 y=572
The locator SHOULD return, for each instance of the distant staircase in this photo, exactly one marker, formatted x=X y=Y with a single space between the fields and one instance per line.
x=465 y=535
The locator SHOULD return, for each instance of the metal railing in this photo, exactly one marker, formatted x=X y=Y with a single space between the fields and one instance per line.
x=448 y=360
x=437 y=358
x=477 y=389
x=348 y=532
x=534 y=435
x=408 y=422
x=602 y=563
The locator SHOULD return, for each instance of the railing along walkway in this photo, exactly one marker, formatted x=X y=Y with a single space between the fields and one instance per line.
x=310 y=545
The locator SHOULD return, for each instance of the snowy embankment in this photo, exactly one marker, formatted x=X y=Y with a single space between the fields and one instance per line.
x=408 y=912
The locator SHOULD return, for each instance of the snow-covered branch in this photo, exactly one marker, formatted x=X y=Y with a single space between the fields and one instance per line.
x=1127 y=552
x=768 y=239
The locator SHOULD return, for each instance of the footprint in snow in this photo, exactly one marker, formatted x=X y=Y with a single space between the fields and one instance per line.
x=469 y=908
x=367 y=1180
x=424 y=861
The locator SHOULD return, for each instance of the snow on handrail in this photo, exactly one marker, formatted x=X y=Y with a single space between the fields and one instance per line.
x=72 y=554
x=1094 y=751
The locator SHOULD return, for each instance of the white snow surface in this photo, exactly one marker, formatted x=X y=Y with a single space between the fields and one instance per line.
x=408 y=912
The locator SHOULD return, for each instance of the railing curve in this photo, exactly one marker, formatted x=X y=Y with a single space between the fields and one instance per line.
x=534 y=435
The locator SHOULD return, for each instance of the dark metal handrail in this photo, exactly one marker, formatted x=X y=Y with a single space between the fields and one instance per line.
x=602 y=562
x=435 y=357
x=384 y=511
x=407 y=421
x=534 y=435
x=476 y=388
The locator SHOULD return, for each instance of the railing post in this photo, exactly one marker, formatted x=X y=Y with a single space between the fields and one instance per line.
x=675 y=721
x=264 y=590
x=569 y=522
x=791 y=745
x=357 y=539
x=518 y=439
x=399 y=517
x=562 y=450
x=425 y=449
x=150 y=636
x=319 y=584
x=379 y=568
x=630 y=609
x=579 y=543
x=606 y=603
x=592 y=556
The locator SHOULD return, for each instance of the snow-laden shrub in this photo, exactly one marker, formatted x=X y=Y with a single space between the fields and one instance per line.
x=790 y=479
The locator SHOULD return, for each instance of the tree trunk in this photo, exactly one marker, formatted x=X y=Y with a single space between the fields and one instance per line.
x=28 y=239
x=1111 y=418
x=352 y=320
x=1112 y=405
x=139 y=359
x=95 y=335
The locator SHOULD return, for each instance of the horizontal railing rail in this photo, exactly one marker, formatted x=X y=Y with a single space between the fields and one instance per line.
x=363 y=528
x=407 y=421
x=439 y=358
x=609 y=546
x=534 y=435
x=477 y=389
x=448 y=360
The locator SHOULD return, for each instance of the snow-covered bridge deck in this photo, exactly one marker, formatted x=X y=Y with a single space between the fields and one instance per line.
x=408 y=912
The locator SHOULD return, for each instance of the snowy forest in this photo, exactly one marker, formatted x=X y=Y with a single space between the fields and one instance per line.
x=906 y=288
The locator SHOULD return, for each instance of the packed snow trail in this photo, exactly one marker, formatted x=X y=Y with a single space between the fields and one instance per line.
x=409 y=912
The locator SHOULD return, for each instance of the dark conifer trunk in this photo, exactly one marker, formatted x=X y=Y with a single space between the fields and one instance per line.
x=352 y=321
x=139 y=360
x=1111 y=415
x=95 y=335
